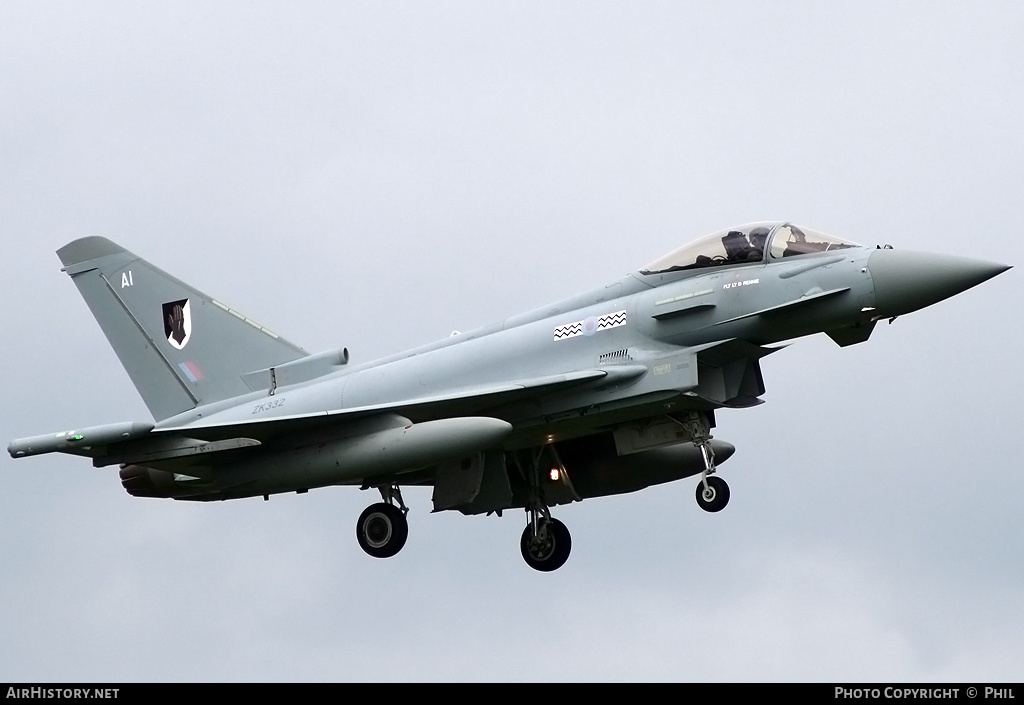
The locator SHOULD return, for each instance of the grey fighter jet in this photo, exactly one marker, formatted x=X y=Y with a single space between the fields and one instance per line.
x=607 y=392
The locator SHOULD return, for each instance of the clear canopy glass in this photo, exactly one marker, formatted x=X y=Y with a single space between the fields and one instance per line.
x=746 y=244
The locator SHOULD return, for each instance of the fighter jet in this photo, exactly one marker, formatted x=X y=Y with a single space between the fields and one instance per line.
x=607 y=392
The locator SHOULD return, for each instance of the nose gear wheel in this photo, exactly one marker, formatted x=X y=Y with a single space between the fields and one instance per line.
x=712 y=494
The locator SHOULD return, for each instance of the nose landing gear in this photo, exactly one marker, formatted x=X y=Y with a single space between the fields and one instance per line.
x=712 y=492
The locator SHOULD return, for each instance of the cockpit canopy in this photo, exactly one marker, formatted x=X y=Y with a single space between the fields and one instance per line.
x=746 y=244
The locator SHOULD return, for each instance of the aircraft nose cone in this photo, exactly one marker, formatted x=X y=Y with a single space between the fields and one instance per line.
x=908 y=281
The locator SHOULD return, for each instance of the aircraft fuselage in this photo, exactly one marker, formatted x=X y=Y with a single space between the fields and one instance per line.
x=606 y=392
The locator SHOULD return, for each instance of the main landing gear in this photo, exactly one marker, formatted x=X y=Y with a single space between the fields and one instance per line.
x=545 y=543
x=712 y=492
x=382 y=528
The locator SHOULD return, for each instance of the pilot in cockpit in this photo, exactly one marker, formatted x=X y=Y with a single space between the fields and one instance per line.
x=739 y=249
x=758 y=237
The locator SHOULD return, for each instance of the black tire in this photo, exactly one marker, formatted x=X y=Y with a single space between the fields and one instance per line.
x=382 y=530
x=715 y=497
x=550 y=552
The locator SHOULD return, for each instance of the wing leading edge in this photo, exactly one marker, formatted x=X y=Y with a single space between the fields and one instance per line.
x=135 y=442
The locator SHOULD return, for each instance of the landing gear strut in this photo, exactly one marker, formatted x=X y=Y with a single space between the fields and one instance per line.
x=546 y=542
x=382 y=528
x=712 y=492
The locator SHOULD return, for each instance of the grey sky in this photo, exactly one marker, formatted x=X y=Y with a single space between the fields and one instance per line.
x=375 y=175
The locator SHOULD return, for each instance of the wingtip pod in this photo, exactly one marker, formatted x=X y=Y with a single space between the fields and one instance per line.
x=80 y=441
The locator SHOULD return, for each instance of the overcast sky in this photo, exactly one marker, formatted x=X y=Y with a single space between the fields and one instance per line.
x=374 y=175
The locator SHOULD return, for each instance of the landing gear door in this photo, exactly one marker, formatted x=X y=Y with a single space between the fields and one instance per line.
x=476 y=484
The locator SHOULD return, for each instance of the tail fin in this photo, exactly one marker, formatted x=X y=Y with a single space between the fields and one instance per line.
x=180 y=347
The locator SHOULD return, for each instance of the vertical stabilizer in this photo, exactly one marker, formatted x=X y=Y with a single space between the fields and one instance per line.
x=180 y=347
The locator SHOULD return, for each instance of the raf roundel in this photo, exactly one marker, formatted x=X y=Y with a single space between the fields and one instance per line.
x=590 y=325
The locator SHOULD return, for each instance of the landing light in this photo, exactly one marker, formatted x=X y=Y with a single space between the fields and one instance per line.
x=554 y=474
